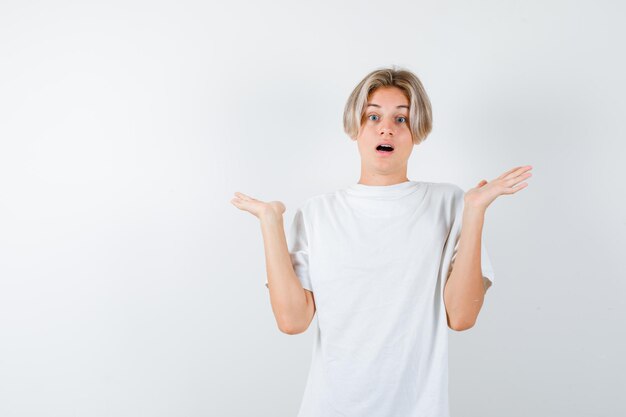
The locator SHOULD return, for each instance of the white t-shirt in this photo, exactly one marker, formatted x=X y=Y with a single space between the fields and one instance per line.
x=376 y=259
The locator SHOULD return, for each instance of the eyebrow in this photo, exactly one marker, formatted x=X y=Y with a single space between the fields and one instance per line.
x=376 y=105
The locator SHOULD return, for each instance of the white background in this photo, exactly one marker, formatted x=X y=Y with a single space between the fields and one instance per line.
x=131 y=286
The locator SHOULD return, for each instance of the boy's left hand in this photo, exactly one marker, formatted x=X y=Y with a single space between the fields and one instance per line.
x=486 y=192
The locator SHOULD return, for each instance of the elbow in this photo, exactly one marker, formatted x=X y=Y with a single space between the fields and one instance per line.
x=294 y=318
x=290 y=329
x=290 y=326
x=460 y=326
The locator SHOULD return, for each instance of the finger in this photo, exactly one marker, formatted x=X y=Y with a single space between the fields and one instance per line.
x=242 y=196
x=517 y=172
x=514 y=180
x=508 y=172
x=513 y=190
x=241 y=203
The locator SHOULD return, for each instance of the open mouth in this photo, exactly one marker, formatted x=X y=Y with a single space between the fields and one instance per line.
x=384 y=149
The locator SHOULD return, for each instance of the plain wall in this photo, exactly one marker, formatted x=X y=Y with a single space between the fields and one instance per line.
x=131 y=286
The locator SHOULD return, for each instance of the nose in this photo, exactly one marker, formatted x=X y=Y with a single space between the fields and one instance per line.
x=386 y=129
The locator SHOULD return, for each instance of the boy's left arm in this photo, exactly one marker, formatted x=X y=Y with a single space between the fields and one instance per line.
x=465 y=288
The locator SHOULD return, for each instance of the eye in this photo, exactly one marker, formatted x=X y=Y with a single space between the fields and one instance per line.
x=403 y=119
x=372 y=115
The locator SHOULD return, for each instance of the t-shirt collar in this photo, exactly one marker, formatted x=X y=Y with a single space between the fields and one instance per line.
x=383 y=191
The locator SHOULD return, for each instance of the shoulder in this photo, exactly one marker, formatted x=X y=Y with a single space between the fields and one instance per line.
x=448 y=198
x=447 y=190
x=319 y=200
x=313 y=204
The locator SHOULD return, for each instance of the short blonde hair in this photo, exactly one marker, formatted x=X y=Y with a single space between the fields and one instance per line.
x=420 y=113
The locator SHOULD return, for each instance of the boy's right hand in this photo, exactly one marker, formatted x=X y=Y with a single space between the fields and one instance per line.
x=261 y=209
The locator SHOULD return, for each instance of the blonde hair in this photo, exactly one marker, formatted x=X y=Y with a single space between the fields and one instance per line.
x=420 y=113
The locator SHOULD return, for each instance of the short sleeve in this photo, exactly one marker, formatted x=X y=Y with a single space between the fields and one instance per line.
x=298 y=245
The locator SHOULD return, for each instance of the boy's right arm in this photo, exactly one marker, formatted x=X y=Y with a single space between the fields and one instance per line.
x=293 y=306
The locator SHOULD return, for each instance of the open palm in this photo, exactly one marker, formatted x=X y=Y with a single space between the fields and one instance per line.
x=257 y=207
x=507 y=183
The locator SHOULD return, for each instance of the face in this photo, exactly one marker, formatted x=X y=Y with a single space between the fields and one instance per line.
x=385 y=120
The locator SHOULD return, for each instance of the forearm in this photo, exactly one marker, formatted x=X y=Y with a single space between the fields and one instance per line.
x=287 y=295
x=464 y=291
